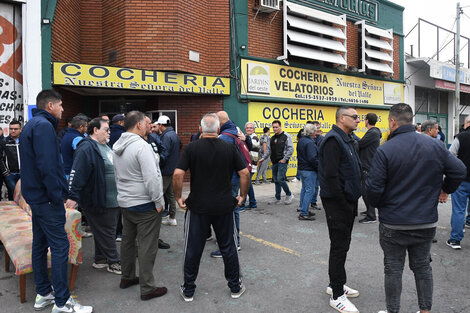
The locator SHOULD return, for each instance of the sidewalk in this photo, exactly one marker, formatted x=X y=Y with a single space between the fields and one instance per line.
x=284 y=266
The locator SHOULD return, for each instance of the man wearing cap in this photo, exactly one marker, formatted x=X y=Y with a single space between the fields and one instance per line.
x=168 y=161
x=117 y=128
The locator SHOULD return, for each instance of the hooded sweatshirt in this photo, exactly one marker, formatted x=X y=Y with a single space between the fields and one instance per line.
x=138 y=177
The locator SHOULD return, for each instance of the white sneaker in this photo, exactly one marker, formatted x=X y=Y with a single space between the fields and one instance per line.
x=348 y=291
x=169 y=221
x=289 y=199
x=72 y=306
x=343 y=305
x=274 y=201
x=385 y=311
x=43 y=302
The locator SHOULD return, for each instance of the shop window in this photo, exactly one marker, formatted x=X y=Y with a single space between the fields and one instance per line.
x=421 y=100
x=433 y=96
x=172 y=114
x=443 y=102
x=121 y=105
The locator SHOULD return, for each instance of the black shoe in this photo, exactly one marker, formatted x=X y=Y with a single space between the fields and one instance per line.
x=363 y=213
x=157 y=292
x=315 y=206
x=454 y=244
x=306 y=218
x=163 y=245
x=310 y=213
x=434 y=240
x=366 y=220
x=126 y=283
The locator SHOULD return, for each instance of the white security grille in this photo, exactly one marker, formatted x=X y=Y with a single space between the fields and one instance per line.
x=267 y=6
x=376 y=48
x=314 y=34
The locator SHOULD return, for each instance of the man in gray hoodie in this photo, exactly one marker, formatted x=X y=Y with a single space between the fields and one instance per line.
x=140 y=195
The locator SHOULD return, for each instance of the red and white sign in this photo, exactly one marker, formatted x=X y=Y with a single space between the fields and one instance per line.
x=441 y=84
x=11 y=61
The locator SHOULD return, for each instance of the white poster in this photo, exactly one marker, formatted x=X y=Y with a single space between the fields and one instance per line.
x=11 y=60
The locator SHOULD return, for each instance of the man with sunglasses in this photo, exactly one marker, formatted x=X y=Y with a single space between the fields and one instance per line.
x=9 y=162
x=340 y=182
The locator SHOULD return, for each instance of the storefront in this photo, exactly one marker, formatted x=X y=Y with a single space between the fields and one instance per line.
x=296 y=95
x=96 y=90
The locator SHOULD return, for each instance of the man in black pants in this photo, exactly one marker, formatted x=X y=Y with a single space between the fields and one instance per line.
x=367 y=147
x=340 y=181
x=211 y=162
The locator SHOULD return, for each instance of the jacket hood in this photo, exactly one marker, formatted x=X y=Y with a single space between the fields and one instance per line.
x=229 y=127
x=125 y=140
x=51 y=118
x=117 y=126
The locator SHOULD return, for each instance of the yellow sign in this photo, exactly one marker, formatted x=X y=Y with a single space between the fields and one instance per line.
x=84 y=75
x=278 y=81
x=294 y=117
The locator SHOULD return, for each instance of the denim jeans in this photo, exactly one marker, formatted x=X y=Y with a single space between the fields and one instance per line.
x=468 y=212
x=418 y=243
x=48 y=231
x=308 y=179
x=315 y=191
x=251 y=195
x=235 y=189
x=459 y=207
x=279 y=176
x=11 y=181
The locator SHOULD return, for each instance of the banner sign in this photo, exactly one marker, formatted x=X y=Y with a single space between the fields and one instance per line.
x=98 y=76
x=279 y=81
x=294 y=117
x=11 y=71
x=440 y=84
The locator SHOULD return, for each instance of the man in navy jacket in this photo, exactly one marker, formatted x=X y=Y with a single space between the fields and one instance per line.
x=406 y=185
x=44 y=188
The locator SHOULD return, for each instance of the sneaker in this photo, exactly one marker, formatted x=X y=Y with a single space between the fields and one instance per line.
x=115 y=268
x=385 y=311
x=100 y=264
x=239 y=247
x=252 y=206
x=72 y=306
x=363 y=213
x=169 y=221
x=241 y=209
x=306 y=217
x=289 y=199
x=163 y=245
x=348 y=291
x=43 y=302
x=172 y=222
x=275 y=201
x=315 y=206
x=86 y=234
x=453 y=244
x=366 y=220
x=119 y=238
x=343 y=305
x=216 y=254
x=467 y=224
x=185 y=297
x=236 y=295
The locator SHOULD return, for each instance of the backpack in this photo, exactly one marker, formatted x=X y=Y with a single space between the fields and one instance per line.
x=243 y=149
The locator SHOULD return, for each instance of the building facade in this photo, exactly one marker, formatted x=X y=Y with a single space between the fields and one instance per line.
x=259 y=60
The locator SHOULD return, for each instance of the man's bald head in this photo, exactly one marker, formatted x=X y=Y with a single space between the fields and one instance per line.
x=223 y=117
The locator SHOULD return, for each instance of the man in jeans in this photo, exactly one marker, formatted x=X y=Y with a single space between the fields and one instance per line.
x=406 y=187
x=280 y=149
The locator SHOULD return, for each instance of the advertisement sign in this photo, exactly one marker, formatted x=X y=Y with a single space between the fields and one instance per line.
x=294 y=117
x=279 y=81
x=11 y=74
x=97 y=76
x=440 y=84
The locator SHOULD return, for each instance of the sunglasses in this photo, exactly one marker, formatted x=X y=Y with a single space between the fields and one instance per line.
x=355 y=116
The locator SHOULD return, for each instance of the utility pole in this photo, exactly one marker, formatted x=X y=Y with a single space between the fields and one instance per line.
x=457 y=72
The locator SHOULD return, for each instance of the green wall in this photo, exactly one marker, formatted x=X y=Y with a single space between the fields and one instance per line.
x=47 y=11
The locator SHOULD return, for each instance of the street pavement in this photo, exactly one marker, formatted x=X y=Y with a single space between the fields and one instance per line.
x=284 y=264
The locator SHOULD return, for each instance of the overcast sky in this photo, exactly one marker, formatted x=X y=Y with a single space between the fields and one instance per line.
x=442 y=13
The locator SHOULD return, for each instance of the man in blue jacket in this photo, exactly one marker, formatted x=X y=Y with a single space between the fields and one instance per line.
x=406 y=186
x=92 y=184
x=307 y=156
x=117 y=129
x=168 y=160
x=69 y=142
x=44 y=188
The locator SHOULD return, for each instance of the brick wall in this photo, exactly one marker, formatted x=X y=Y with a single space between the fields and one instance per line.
x=66 y=31
x=71 y=103
x=147 y=34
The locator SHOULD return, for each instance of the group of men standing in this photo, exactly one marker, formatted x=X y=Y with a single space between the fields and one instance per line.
x=131 y=180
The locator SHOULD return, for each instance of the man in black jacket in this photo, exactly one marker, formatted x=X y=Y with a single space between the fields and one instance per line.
x=406 y=187
x=340 y=176
x=92 y=184
x=9 y=163
x=367 y=147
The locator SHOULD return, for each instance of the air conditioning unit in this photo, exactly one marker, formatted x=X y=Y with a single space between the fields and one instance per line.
x=267 y=6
